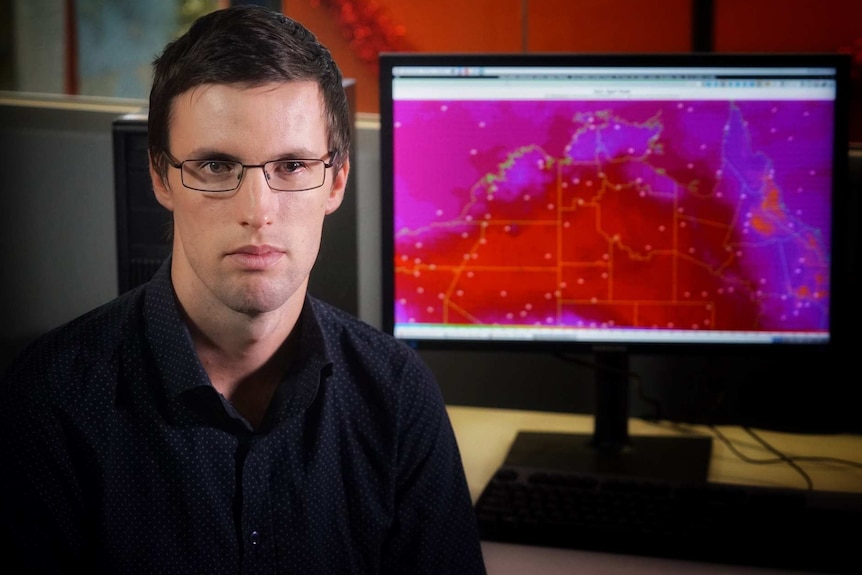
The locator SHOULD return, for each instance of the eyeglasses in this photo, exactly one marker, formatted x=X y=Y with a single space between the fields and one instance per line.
x=290 y=175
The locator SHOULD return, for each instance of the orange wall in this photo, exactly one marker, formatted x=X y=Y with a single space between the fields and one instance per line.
x=571 y=26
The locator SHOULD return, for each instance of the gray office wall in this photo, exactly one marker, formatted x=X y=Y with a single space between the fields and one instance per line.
x=57 y=233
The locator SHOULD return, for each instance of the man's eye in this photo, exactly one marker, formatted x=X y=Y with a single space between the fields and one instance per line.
x=289 y=166
x=216 y=167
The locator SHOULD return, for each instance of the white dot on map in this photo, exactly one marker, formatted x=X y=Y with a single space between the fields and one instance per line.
x=416 y=273
x=444 y=107
x=503 y=293
x=470 y=274
x=526 y=197
x=417 y=261
x=548 y=295
x=420 y=289
x=567 y=224
x=551 y=206
x=441 y=296
x=528 y=307
x=459 y=293
x=397 y=124
x=661 y=228
x=429 y=309
x=581 y=281
x=473 y=152
x=402 y=301
x=548 y=256
x=481 y=124
x=631 y=150
x=510 y=315
x=439 y=212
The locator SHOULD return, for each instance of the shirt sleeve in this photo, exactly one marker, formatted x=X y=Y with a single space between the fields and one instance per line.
x=40 y=497
x=435 y=529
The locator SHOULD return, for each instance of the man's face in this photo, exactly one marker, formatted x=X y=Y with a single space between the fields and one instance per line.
x=250 y=250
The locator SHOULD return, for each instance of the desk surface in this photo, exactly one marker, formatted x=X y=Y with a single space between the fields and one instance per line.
x=484 y=436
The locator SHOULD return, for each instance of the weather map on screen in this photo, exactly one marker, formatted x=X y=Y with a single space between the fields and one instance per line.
x=706 y=215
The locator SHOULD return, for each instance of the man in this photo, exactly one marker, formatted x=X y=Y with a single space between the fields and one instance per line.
x=219 y=419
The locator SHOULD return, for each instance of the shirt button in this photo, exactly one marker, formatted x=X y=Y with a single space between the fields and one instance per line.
x=254 y=537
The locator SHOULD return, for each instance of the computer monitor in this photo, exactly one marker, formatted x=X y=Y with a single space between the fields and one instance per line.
x=614 y=204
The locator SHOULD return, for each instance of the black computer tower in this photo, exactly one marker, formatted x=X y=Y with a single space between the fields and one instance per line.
x=143 y=225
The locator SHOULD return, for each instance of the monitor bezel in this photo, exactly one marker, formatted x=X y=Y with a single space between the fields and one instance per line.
x=839 y=265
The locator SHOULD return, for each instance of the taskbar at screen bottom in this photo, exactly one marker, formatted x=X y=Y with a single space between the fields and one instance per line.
x=441 y=332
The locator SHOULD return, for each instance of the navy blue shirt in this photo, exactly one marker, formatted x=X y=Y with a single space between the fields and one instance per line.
x=119 y=456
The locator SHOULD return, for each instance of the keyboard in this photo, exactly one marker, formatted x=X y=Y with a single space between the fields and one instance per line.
x=719 y=523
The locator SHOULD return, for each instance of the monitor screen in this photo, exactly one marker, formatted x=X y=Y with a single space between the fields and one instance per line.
x=618 y=199
x=615 y=204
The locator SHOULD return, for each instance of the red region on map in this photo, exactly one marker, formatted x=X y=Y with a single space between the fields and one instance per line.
x=668 y=215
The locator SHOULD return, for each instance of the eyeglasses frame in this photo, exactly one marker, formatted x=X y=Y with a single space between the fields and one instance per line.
x=178 y=164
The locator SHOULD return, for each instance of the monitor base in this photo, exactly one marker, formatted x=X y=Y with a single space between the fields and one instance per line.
x=672 y=458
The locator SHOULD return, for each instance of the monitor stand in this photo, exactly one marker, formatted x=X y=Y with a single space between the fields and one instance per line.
x=609 y=450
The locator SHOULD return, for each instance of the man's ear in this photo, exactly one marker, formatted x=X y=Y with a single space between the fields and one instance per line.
x=161 y=189
x=336 y=193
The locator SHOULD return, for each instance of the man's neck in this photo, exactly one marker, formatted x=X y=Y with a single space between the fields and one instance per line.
x=245 y=357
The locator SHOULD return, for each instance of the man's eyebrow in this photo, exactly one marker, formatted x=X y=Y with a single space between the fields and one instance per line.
x=212 y=154
x=216 y=154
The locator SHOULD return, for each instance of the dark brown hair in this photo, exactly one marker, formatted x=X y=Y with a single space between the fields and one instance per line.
x=247 y=45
